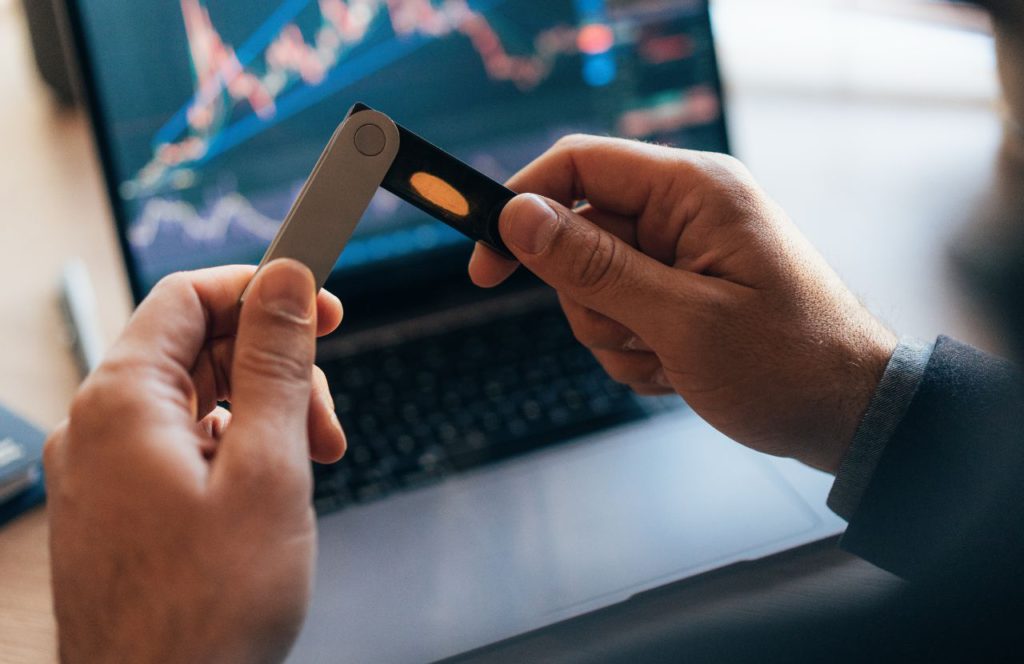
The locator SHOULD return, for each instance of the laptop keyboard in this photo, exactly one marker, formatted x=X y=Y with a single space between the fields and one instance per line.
x=436 y=402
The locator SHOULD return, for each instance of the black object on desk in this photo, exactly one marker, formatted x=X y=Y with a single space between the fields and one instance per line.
x=21 y=466
x=50 y=48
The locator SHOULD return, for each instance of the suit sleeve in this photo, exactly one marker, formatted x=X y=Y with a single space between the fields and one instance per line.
x=892 y=398
x=945 y=496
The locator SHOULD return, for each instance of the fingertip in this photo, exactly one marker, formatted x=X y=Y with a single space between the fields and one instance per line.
x=331 y=446
x=327 y=441
x=329 y=312
x=529 y=224
x=213 y=428
x=488 y=269
x=285 y=288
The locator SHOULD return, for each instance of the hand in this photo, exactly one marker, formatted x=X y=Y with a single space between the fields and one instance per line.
x=180 y=532
x=681 y=275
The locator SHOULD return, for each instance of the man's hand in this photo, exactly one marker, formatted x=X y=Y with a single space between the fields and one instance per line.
x=180 y=532
x=681 y=275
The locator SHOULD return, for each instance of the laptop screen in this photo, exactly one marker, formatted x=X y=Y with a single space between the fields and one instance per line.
x=211 y=113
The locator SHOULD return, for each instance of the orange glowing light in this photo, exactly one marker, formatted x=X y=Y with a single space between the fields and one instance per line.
x=439 y=193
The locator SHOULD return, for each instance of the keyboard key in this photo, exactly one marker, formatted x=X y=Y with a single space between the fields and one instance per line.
x=417 y=412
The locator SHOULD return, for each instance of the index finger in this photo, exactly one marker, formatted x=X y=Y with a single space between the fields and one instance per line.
x=616 y=176
x=613 y=174
x=187 y=309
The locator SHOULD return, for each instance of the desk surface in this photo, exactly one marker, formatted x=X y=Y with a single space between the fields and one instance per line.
x=878 y=186
x=53 y=209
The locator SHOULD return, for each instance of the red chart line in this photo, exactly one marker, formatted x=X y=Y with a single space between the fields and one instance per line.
x=223 y=84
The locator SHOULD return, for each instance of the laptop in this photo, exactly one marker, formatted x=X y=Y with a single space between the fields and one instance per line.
x=497 y=480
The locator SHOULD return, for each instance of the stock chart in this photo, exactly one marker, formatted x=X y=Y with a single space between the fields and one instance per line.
x=216 y=110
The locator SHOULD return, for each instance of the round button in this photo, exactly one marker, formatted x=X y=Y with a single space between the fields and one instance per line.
x=370 y=140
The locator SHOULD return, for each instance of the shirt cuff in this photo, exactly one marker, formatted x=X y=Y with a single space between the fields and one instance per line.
x=888 y=406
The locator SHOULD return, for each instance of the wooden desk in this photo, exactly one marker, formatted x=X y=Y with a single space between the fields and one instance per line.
x=53 y=208
x=876 y=185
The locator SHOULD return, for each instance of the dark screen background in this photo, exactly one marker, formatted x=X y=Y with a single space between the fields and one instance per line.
x=639 y=68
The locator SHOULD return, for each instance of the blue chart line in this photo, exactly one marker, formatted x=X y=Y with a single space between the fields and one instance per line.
x=364 y=251
x=350 y=72
x=252 y=47
x=265 y=34
x=301 y=99
x=347 y=73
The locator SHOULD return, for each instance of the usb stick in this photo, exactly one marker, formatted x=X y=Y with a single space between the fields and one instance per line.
x=369 y=150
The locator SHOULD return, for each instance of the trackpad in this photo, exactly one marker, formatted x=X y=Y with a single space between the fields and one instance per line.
x=520 y=545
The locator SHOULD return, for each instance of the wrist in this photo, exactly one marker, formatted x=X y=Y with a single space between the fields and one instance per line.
x=865 y=365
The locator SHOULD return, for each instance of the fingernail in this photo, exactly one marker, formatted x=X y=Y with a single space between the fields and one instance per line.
x=660 y=378
x=286 y=289
x=532 y=225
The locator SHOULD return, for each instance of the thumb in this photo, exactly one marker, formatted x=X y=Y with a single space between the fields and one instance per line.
x=585 y=262
x=272 y=369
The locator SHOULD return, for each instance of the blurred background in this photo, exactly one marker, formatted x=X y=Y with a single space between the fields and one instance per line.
x=874 y=123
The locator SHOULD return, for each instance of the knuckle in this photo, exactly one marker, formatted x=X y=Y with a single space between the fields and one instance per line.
x=52 y=447
x=273 y=363
x=175 y=282
x=727 y=161
x=726 y=184
x=722 y=165
x=571 y=141
x=91 y=408
x=729 y=172
x=87 y=404
x=109 y=386
x=599 y=264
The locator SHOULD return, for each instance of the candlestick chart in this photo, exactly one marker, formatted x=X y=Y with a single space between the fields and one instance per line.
x=292 y=72
x=230 y=102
